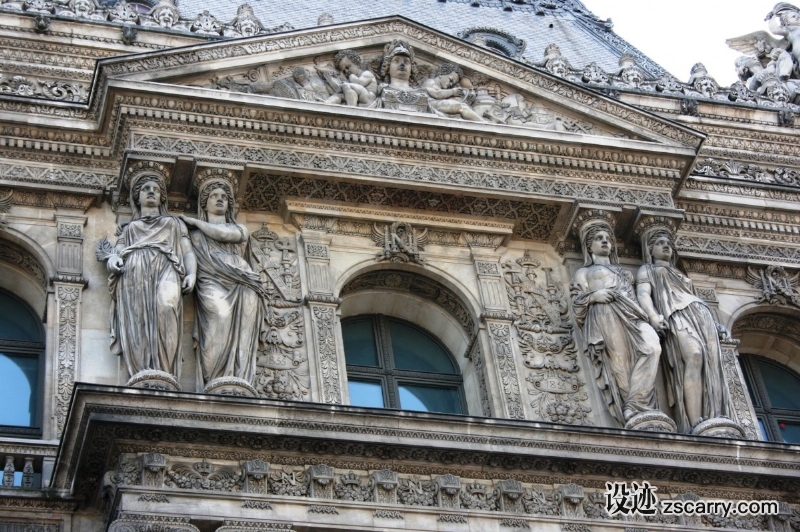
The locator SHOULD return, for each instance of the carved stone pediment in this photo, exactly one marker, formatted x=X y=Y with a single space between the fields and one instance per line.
x=441 y=78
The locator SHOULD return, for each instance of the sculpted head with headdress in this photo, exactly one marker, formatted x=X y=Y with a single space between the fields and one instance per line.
x=591 y=224
x=398 y=65
x=140 y=180
x=209 y=186
x=657 y=244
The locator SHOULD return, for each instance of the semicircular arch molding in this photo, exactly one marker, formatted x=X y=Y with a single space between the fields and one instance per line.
x=442 y=288
x=771 y=332
x=30 y=268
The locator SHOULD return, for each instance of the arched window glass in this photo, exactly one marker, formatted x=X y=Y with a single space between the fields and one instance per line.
x=775 y=391
x=21 y=347
x=392 y=363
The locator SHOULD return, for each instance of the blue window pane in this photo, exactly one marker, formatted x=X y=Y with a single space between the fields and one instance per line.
x=790 y=432
x=782 y=386
x=17 y=322
x=19 y=379
x=416 y=351
x=359 y=343
x=365 y=393
x=762 y=430
x=429 y=399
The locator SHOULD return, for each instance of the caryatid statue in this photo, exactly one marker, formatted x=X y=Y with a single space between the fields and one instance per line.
x=151 y=266
x=692 y=358
x=228 y=294
x=623 y=347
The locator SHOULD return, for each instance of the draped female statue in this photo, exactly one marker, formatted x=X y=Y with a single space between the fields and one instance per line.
x=151 y=264
x=228 y=294
x=623 y=347
x=693 y=356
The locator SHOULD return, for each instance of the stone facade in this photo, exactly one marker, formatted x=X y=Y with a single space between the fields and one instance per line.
x=450 y=180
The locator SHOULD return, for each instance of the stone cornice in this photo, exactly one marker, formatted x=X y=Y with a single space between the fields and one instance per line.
x=432 y=220
x=102 y=414
x=376 y=32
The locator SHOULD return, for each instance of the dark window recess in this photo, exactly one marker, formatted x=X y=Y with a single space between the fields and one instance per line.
x=392 y=363
x=775 y=392
x=21 y=352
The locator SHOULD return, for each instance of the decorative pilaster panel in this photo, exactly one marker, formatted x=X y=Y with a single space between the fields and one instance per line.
x=67 y=346
x=317 y=262
x=326 y=344
x=329 y=354
x=499 y=327
x=69 y=247
x=743 y=410
x=490 y=282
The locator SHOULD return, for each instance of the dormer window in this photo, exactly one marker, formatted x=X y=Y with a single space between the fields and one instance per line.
x=498 y=41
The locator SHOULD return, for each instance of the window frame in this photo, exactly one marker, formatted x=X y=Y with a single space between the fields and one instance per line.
x=769 y=416
x=28 y=349
x=390 y=377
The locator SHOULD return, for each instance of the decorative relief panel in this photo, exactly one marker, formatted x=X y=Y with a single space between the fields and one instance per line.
x=544 y=332
x=282 y=370
x=777 y=286
x=503 y=354
x=323 y=319
x=68 y=300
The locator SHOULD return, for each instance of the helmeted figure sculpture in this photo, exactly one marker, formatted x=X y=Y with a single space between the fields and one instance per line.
x=151 y=265
x=692 y=359
x=228 y=295
x=620 y=342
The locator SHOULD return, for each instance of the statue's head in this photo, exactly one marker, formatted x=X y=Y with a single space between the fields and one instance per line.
x=449 y=75
x=148 y=190
x=300 y=75
x=657 y=244
x=398 y=62
x=216 y=196
x=347 y=62
x=597 y=239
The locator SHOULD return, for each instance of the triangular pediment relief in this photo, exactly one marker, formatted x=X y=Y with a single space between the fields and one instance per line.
x=435 y=76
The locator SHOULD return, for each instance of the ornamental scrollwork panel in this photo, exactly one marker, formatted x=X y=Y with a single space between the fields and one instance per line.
x=556 y=387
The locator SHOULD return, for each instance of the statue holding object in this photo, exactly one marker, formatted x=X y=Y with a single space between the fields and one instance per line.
x=151 y=265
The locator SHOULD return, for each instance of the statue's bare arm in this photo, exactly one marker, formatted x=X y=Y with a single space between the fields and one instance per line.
x=644 y=295
x=218 y=232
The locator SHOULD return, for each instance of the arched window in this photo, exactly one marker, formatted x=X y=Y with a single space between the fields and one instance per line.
x=775 y=392
x=21 y=350
x=392 y=363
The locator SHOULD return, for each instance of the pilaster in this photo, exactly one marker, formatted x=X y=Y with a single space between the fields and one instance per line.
x=68 y=285
x=326 y=345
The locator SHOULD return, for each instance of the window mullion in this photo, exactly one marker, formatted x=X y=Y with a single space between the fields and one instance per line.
x=387 y=361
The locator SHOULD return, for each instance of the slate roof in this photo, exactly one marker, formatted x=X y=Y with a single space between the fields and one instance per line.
x=582 y=37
